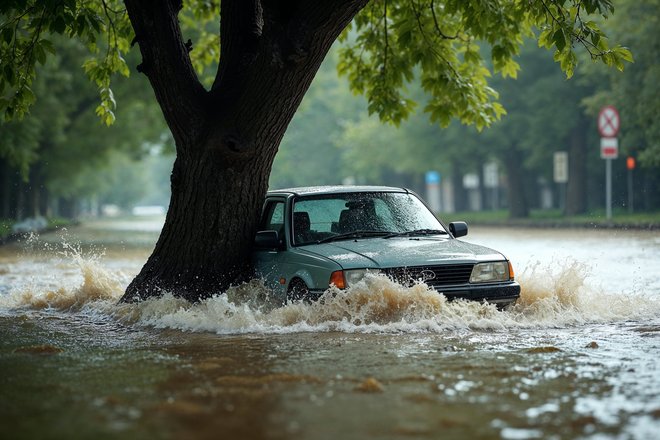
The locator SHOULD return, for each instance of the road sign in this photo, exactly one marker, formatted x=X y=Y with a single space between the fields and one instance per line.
x=608 y=126
x=608 y=122
x=609 y=148
x=491 y=178
x=433 y=190
x=433 y=177
x=471 y=181
x=560 y=169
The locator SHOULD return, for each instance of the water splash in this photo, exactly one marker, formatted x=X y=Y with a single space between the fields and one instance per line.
x=50 y=284
x=549 y=298
x=558 y=294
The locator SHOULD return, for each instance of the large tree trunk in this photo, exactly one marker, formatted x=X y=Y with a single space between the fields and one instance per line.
x=205 y=242
x=227 y=137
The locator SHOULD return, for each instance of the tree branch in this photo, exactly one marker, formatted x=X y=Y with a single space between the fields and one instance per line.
x=269 y=49
x=166 y=63
x=241 y=28
x=437 y=25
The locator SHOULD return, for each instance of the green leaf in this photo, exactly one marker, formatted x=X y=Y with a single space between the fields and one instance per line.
x=95 y=21
x=559 y=39
x=27 y=96
x=544 y=39
x=625 y=54
x=48 y=46
x=40 y=53
x=58 y=25
x=8 y=35
x=10 y=75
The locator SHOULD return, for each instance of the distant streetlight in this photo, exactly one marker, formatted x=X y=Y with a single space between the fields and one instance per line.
x=630 y=164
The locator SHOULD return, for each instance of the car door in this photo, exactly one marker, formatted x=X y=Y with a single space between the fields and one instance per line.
x=271 y=264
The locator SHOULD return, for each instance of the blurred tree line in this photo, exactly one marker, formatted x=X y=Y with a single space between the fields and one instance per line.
x=61 y=157
x=333 y=138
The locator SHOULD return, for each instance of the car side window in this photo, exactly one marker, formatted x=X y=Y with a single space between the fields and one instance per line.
x=273 y=219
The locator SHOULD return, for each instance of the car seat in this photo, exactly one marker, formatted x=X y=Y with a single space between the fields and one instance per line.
x=301 y=227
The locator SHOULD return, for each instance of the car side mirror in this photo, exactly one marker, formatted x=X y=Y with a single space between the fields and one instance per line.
x=458 y=229
x=267 y=239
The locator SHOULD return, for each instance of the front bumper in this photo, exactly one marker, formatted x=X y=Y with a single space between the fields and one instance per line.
x=500 y=294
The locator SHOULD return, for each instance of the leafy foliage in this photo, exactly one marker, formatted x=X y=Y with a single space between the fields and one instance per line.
x=27 y=31
x=389 y=43
x=393 y=41
x=453 y=47
x=61 y=142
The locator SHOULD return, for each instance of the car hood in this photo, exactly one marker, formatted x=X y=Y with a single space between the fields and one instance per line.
x=402 y=251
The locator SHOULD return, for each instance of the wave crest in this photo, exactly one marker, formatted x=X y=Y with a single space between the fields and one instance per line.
x=549 y=298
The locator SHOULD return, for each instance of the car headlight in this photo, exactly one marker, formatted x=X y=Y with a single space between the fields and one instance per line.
x=346 y=278
x=490 y=272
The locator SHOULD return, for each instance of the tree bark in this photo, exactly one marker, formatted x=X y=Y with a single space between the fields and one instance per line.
x=518 y=206
x=227 y=137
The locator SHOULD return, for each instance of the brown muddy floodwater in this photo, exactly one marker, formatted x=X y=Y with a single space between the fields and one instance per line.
x=577 y=357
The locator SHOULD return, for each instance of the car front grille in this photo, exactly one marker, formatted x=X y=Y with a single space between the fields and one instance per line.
x=434 y=276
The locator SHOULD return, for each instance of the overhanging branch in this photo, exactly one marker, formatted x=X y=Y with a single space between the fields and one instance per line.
x=167 y=65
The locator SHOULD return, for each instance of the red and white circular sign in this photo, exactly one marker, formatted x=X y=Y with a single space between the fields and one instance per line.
x=608 y=121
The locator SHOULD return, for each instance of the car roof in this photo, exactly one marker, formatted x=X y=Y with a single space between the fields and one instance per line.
x=334 y=189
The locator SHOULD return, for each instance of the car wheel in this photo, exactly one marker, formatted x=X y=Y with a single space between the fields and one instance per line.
x=298 y=290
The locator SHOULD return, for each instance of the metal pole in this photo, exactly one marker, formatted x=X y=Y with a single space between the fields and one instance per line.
x=630 y=191
x=608 y=189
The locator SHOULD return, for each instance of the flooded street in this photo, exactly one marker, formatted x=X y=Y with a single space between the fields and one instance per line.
x=577 y=357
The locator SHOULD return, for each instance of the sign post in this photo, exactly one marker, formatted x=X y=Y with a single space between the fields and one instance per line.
x=491 y=180
x=560 y=175
x=433 y=190
x=608 y=126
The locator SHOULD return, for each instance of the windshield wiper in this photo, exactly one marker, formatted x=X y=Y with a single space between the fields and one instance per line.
x=416 y=232
x=354 y=234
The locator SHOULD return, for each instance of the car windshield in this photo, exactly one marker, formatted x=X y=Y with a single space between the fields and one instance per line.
x=323 y=218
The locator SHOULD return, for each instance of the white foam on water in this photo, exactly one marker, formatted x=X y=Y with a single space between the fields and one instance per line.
x=550 y=298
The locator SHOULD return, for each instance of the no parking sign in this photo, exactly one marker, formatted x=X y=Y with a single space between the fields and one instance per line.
x=608 y=121
x=608 y=126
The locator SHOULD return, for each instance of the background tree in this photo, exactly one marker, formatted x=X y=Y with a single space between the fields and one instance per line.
x=46 y=154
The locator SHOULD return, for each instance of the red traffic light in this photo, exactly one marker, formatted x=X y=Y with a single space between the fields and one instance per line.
x=630 y=163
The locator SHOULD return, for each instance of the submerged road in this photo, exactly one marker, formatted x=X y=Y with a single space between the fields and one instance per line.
x=576 y=358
